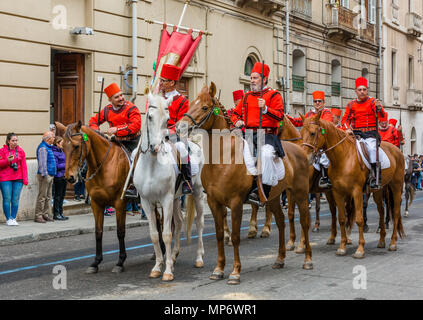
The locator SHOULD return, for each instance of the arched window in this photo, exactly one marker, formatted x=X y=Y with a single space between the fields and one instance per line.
x=336 y=78
x=249 y=64
x=298 y=70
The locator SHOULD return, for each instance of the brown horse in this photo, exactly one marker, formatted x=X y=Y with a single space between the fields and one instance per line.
x=107 y=170
x=227 y=185
x=348 y=175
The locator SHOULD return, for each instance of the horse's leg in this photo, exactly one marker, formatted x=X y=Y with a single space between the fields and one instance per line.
x=218 y=212
x=377 y=196
x=226 y=231
x=396 y=215
x=236 y=216
x=198 y=198
x=178 y=221
x=275 y=207
x=252 y=231
x=265 y=233
x=358 y=207
x=291 y=217
x=167 y=205
x=332 y=208
x=407 y=197
x=317 y=222
x=340 y=204
x=120 y=207
x=366 y=197
x=387 y=208
x=154 y=235
x=98 y=211
x=305 y=220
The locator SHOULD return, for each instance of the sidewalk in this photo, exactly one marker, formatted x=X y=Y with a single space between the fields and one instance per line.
x=30 y=231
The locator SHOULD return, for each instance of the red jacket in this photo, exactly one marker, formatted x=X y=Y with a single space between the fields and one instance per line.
x=361 y=115
x=127 y=120
x=389 y=135
x=178 y=107
x=6 y=172
x=326 y=115
x=248 y=110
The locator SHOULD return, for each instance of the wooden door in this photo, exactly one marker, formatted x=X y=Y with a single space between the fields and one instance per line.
x=69 y=87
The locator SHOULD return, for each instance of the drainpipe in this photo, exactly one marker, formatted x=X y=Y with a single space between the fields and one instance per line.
x=134 y=50
x=288 y=83
x=380 y=65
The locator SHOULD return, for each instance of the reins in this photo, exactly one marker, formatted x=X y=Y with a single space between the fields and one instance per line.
x=314 y=145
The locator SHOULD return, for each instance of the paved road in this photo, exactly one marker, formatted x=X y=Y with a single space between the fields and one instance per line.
x=26 y=271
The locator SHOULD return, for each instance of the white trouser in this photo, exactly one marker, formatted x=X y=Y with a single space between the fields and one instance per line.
x=324 y=161
x=371 y=147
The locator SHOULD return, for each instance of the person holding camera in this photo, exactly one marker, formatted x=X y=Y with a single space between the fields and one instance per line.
x=13 y=175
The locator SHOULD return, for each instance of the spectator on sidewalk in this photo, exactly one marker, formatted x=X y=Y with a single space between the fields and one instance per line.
x=13 y=175
x=132 y=207
x=59 y=181
x=45 y=174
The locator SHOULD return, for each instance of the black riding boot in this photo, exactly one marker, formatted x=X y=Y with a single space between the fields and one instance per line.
x=372 y=177
x=324 y=181
x=186 y=175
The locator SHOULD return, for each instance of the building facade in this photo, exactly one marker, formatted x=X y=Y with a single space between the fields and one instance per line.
x=49 y=72
x=403 y=68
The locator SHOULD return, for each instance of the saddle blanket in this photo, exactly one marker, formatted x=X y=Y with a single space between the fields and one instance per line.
x=273 y=168
x=371 y=147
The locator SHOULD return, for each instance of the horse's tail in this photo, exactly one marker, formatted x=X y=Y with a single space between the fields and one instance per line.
x=400 y=227
x=350 y=210
x=189 y=216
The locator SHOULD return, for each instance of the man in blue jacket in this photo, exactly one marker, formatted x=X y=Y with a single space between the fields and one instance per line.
x=45 y=175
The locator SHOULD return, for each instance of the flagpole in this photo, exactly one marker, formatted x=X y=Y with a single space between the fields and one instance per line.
x=182 y=15
x=206 y=33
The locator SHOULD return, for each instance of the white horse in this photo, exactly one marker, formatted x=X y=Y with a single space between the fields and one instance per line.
x=155 y=177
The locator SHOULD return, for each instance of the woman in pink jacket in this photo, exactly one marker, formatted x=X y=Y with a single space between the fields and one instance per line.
x=13 y=175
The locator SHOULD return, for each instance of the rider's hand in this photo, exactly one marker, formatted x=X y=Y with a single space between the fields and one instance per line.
x=399 y=128
x=239 y=124
x=112 y=130
x=378 y=105
x=262 y=103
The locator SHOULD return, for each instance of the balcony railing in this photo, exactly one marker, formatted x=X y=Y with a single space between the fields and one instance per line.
x=336 y=89
x=414 y=24
x=340 y=22
x=298 y=83
x=302 y=7
x=414 y=99
x=368 y=33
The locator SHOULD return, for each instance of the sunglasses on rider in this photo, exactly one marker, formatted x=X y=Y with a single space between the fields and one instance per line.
x=318 y=101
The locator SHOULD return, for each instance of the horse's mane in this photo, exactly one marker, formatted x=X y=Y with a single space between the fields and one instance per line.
x=225 y=112
x=68 y=132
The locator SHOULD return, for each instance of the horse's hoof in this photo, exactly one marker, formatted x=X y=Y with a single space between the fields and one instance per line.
x=349 y=241
x=234 y=279
x=300 y=250
x=341 y=252
x=290 y=247
x=315 y=229
x=230 y=243
x=217 y=275
x=91 y=270
x=308 y=265
x=167 y=277
x=278 y=264
x=358 y=255
x=393 y=247
x=406 y=214
x=381 y=245
x=199 y=264
x=331 y=242
x=265 y=234
x=252 y=234
x=155 y=274
x=117 y=269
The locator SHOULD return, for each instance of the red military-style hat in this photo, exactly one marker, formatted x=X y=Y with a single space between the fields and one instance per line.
x=385 y=118
x=170 y=72
x=318 y=95
x=336 y=111
x=258 y=68
x=393 y=121
x=112 y=89
x=361 y=82
x=238 y=94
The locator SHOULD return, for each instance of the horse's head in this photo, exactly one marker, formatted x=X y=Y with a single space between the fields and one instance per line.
x=155 y=128
x=312 y=134
x=76 y=147
x=201 y=109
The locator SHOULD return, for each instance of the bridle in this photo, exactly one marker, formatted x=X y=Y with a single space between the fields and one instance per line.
x=148 y=135
x=81 y=162
x=313 y=146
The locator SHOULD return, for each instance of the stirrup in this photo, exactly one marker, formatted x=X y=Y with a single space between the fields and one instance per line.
x=254 y=199
x=324 y=184
x=130 y=193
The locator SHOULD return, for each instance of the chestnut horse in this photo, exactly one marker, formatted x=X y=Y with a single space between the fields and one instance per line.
x=107 y=170
x=348 y=175
x=227 y=185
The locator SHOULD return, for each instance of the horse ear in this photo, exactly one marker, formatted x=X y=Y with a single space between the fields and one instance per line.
x=60 y=126
x=302 y=117
x=78 y=126
x=212 y=90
